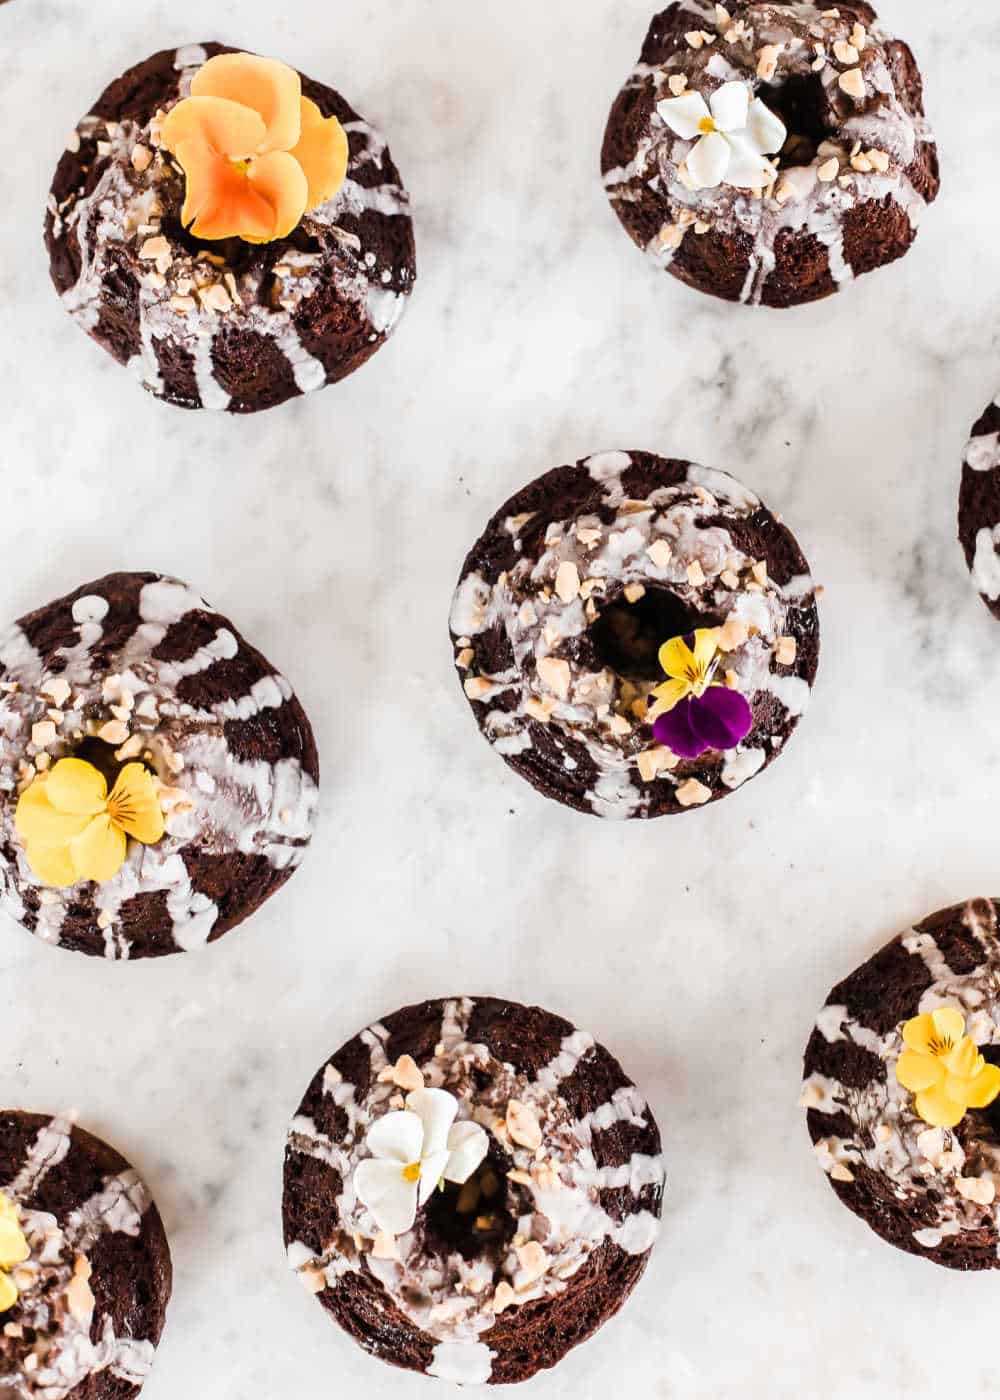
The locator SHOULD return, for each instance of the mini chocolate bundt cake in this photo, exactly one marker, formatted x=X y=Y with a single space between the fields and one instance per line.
x=600 y=580
x=158 y=778
x=472 y=1188
x=979 y=507
x=85 y=1271
x=770 y=152
x=903 y=1089
x=236 y=323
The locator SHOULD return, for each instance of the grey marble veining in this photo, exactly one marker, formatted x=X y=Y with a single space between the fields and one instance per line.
x=332 y=531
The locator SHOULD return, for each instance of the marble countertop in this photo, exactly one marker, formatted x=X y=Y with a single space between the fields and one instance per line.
x=332 y=531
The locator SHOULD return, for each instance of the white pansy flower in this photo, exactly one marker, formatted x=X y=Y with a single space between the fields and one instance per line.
x=737 y=136
x=412 y=1152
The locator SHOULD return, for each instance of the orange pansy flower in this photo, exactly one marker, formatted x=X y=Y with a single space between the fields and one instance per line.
x=255 y=152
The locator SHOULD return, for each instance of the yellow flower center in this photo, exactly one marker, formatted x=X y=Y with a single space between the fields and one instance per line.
x=706 y=126
x=940 y=1045
x=412 y=1172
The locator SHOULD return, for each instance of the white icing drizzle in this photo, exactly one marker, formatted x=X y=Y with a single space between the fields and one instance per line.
x=68 y=1355
x=226 y=804
x=652 y=544
x=126 y=207
x=800 y=202
x=890 y=1137
x=560 y=1208
x=982 y=454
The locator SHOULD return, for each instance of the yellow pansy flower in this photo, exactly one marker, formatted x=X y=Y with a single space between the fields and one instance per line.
x=691 y=669
x=72 y=830
x=942 y=1066
x=13 y=1251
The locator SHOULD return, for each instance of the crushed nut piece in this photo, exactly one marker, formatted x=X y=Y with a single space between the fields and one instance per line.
x=404 y=1074
x=477 y=687
x=786 y=651
x=503 y=1297
x=841 y=1173
x=852 y=82
x=677 y=82
x=978 y=1189
x=653 y=761
x=695 y=574
x=141 y=158
x=567 y=581
x=523 y=1125
x=633 y=592
x=43 y=734
x=732 y=634
x=465 y=658
x=767 y=61
x=154 y=248
x=693 y=794
x=845 y=52
x=553 y=672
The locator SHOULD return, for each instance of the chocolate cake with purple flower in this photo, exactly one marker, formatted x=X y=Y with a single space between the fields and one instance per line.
x=472 y=1188
x=158 y=777
x=902 y=1088
x=979 y=507
x=771 y=152
x=85 y=1273
x=230 y=230
x=636 y=636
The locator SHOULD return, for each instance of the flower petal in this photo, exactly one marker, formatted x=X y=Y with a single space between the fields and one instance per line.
x=53 y=865
x=666 y=696
x=392 y=1200
x=709 y=161
x=730 y=105
x=920 y=1032
x=266 y=85
x=676 y=732
x=280 y=180
x=766 y=130
x=226 y=128
x=38 y=823
x=721 y=717
x=98 y=853
x=13 y=1246
x=983 y=1089
x=468 y=1146
x=938 y=1109
x=949 y=1023
x=917 y=1072
x=677 y=659
x=706 y=646
x=963 y=1060
x=748 y=168
x=76 y=786
x=397 y=1137
x=8 y=1293
x=322 y=152
x=432 y=1169
x=134 y=806
x=219 y=201
x=436 y=1109
x=684 y=115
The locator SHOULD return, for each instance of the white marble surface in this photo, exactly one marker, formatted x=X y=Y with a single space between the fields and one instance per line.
x=332 y=531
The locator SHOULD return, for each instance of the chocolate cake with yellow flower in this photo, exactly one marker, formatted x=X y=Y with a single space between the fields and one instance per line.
x=902 y=1087
x=230 y=229
x=472 y=1188
x=85 y=1272
x=158 y=777
x=636 y=636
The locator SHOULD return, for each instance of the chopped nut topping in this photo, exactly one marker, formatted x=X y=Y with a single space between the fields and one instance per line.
x=845 y=53
x=786 y=651
x=693 y=794
x=554 y=674
x=653 y=761
x=477 y=687
x=154 y=248
x=588 y=536
x=677 y=82
x=812 y=1096
x=43 y=734
x=695 y=574
x=978 y=1189
x=841 y=1173
x=313 y=1278
x=859 y=37
x=759 y=571
x=730 y=578
x=852 y=82
x=503 y=1297
x=732 y=634
x=404 y=1074
x=141 y=158
x=619 y=725
x=114 y=732
x=767 y=61
x=567 y=581
x=523 y=1125
x=879 y=160
x=633 y=592
x=533 y=1261
x=539 y=708
x=829 y=170
x=79 y=1296
x=215 y=297
x=465 y=658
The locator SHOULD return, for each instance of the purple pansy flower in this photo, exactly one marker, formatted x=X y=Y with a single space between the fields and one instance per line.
x=692 y=712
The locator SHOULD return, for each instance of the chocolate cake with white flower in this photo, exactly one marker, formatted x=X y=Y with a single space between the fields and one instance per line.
x=770 y=152
x=472 y=1188
x=902 y=1086
x=230 y=230
x=979 y=507
x=85 y=1272
x=158 y=777
x=636 y=636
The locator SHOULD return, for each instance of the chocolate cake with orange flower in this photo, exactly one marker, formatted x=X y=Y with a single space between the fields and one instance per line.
x=636 y=636
x=230 y=229
x=85 y=1273
x=472 y=1188
x=158 y=777
x=902 y=1088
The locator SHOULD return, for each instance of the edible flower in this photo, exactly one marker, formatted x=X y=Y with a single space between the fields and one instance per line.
x=13 y=1251
x=412 y=1152
x=735 y=136
x=256 y=153
x=694 y=711
x=72 y=830
x=943 y=1067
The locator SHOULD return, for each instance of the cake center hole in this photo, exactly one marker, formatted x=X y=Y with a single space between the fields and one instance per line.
x=801 y=103
x=473 y=1219
x=627 y=636
x=102 y=757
